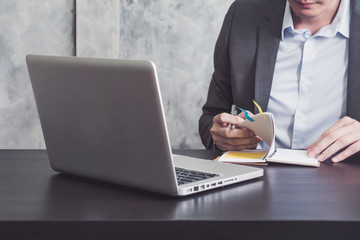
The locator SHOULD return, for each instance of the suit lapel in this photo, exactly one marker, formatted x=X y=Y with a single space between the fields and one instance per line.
x=268 y=44
x=353 y=106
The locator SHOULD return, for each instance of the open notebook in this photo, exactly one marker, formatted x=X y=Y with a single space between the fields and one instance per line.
x=264 y=127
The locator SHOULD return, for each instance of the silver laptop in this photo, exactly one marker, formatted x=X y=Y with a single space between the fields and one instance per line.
x=104 y=119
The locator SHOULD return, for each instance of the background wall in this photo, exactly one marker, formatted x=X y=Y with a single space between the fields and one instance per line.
x=178 y=35
x=28 y=26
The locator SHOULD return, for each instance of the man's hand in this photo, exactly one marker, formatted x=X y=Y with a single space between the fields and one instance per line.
x=344 y=133
x=227 y=138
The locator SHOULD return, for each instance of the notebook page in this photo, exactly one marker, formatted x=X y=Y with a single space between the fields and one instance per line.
x=292 y=156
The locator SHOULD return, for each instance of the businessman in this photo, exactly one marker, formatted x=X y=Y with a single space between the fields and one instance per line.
x=300 y=60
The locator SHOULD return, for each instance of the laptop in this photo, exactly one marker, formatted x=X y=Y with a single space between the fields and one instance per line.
x=104 y=119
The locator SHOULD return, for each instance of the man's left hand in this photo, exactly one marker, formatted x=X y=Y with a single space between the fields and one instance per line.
x=344 y=133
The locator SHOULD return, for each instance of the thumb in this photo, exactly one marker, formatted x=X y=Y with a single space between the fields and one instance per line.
x=242 y=114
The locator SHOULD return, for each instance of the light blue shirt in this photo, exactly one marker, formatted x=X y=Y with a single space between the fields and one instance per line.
x=309 y=89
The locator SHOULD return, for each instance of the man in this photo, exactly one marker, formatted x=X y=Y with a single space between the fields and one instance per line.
x=300 y=60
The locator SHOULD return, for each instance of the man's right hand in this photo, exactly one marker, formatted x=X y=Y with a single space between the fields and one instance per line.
x=227 y=138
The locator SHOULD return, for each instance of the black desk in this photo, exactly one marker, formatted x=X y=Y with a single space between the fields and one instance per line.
x=289 y=202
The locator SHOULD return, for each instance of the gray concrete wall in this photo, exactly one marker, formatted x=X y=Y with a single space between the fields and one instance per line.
x=178 y=35
x=28 y=26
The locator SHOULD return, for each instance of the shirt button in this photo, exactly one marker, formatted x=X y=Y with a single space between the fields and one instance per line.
x=299 y=116
x=306 y=80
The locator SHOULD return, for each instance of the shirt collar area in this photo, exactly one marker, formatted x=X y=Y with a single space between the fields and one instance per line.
x=287 y=21
x=340 y=24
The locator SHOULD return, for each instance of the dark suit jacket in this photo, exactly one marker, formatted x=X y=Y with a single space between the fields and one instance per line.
x=245 y=56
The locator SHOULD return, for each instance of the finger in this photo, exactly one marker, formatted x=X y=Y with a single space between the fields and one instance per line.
x=242 y=114
x=326 y=134
x=349 y=151
x=227 y=118
x=224 y=147
x=229 y=133
x=228 y=146
x=247 y=137
x=339 y=144
x=236 y=143
x=227 y=138
x=328 y=140
x=225 y=125
x=239 y=141
x=339 y=129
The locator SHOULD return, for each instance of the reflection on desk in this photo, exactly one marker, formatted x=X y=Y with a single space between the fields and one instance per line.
x=75 y=196
x=289 y=202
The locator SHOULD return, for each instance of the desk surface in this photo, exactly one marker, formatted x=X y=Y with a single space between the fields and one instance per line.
x=289 y=202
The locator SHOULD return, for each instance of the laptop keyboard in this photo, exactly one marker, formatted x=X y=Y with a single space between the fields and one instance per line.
x=185 y=176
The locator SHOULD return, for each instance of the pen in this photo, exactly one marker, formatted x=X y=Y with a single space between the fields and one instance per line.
x=233 y=112
x=247 y=115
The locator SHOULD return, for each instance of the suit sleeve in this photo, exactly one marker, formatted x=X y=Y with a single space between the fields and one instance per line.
x=219 y=98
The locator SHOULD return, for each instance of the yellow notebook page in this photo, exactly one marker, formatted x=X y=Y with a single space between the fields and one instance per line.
x=245 y=155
